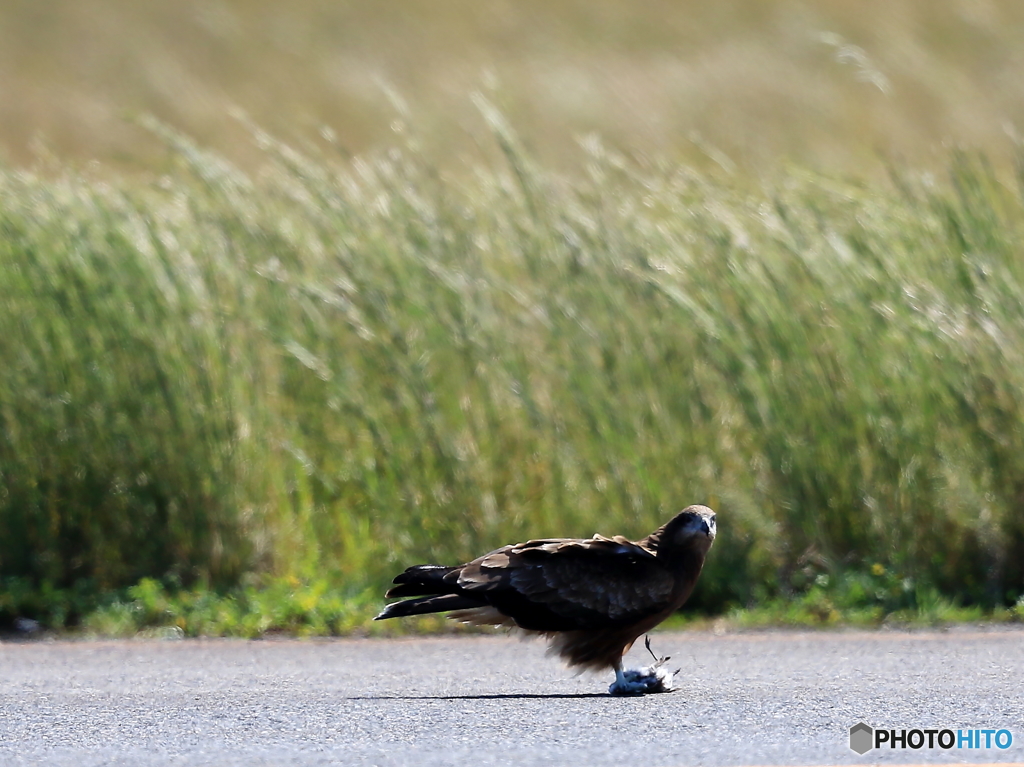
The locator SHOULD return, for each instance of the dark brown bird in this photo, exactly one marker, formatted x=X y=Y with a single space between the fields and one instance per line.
x=591 y=597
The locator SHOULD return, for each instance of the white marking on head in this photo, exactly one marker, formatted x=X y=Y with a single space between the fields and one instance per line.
x=699 y=525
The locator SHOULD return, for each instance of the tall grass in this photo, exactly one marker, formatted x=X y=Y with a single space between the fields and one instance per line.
x=335 y=370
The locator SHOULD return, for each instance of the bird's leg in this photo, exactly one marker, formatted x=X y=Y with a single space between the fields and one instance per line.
x=620 y=679
x=624 y=686
x=638 y=681
x=634 y=681
x=658 y=662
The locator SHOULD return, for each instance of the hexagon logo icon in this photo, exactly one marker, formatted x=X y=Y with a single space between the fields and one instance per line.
x=861 y=737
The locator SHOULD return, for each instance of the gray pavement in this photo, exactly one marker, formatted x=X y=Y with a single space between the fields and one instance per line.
x=746 y=699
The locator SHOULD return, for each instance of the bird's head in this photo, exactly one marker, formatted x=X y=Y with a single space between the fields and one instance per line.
x=693 y=528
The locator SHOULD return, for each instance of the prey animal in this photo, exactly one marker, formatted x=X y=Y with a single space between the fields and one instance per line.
x=591 y=597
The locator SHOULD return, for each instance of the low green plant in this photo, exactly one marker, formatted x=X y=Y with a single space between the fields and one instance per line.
x=259 y=608
x=873 y=597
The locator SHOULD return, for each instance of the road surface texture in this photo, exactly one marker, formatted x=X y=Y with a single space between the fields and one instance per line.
x=746 y=699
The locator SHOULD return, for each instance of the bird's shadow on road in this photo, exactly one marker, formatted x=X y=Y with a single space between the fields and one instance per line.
x=496 y=696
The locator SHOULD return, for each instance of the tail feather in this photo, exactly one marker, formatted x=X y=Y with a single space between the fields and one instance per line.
x=420 y=580
x=431 y=604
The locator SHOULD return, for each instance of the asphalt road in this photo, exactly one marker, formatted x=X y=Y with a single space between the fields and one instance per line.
x=746 y=699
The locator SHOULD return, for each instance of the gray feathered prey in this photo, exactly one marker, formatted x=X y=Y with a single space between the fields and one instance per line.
x=591 y=597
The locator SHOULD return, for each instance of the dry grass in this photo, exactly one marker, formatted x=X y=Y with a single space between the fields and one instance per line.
x=829 y=83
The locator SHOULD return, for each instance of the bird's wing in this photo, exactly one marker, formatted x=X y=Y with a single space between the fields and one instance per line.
x=586 y=583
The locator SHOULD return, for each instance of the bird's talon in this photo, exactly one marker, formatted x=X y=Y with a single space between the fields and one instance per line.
x=641 y=681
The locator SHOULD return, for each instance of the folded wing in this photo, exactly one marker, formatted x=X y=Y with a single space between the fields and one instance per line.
x=546 y=585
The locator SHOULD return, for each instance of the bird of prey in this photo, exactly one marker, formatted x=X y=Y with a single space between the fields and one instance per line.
x=590 y=597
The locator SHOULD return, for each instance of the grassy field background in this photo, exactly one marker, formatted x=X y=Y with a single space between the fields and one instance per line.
x=829 y=83
x=243 y=385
